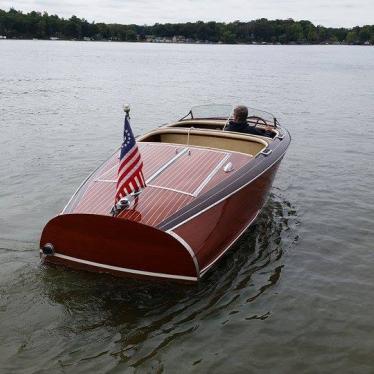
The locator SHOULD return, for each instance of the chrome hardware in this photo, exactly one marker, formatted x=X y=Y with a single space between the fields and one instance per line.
x=124 y=203
x=266 y=152
x=228 y=167
x=48 y=249
x=126 y=108
x=279 y=136
x=188 y=137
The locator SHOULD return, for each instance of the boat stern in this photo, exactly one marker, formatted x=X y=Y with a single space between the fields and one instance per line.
x=118 y=246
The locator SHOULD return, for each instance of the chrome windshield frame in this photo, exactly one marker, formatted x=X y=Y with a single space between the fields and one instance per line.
x=193 y=113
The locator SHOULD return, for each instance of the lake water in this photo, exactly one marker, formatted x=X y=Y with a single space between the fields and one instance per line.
x=296 y=295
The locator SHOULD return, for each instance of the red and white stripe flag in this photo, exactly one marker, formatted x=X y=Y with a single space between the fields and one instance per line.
x=130 y=172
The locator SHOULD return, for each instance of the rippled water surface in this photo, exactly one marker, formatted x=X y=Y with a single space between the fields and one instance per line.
x=295 y=295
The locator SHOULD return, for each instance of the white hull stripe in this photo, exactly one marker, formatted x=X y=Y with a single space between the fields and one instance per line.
x=125 y=270
x=189 y=249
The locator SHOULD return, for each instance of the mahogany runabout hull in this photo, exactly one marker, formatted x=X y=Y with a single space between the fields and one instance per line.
x=126 y=248
x=191 y=212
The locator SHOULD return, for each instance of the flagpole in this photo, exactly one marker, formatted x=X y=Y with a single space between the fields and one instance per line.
x=125 y=201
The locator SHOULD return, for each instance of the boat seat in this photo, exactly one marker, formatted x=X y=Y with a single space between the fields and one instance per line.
x=229 y=141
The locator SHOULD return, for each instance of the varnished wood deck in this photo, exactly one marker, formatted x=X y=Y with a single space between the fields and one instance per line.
x=192 y=173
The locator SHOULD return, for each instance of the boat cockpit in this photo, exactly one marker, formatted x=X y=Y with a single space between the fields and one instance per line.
x=204 y=126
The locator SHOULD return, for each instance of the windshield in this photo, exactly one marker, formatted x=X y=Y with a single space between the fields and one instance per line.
x=267 y=116
x=225 y=111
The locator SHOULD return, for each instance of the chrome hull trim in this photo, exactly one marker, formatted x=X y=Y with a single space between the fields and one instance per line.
x=188 y=248
x=126 y=270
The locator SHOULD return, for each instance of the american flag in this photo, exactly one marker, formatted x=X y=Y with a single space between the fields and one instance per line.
x=130 y=175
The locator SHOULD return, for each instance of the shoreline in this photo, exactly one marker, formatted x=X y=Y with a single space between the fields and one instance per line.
x=36 y=25
x=190 y=43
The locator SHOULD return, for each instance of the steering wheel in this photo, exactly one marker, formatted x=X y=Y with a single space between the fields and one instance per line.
x=257 y=119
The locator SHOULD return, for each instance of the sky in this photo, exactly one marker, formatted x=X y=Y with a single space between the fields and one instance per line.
x=333 y=13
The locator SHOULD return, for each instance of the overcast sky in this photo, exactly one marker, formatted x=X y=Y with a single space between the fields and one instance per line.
x=345 y=13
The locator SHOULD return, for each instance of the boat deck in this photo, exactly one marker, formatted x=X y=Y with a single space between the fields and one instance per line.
x=175 y=175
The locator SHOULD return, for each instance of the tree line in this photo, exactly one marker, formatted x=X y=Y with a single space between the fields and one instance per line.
x=16 y=24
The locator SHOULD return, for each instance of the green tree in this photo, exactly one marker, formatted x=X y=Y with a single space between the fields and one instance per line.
x=228 y=37
x=16 y=24
x=352 y=37
x=364 y=34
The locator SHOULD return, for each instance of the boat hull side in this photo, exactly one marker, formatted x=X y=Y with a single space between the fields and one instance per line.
x=212 y=232
x=118 y=246
x=254 y=169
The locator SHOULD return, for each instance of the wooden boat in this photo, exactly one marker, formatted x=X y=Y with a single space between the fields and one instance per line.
x=205 y=187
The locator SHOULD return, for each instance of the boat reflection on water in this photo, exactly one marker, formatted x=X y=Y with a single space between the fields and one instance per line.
x=148 y=315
